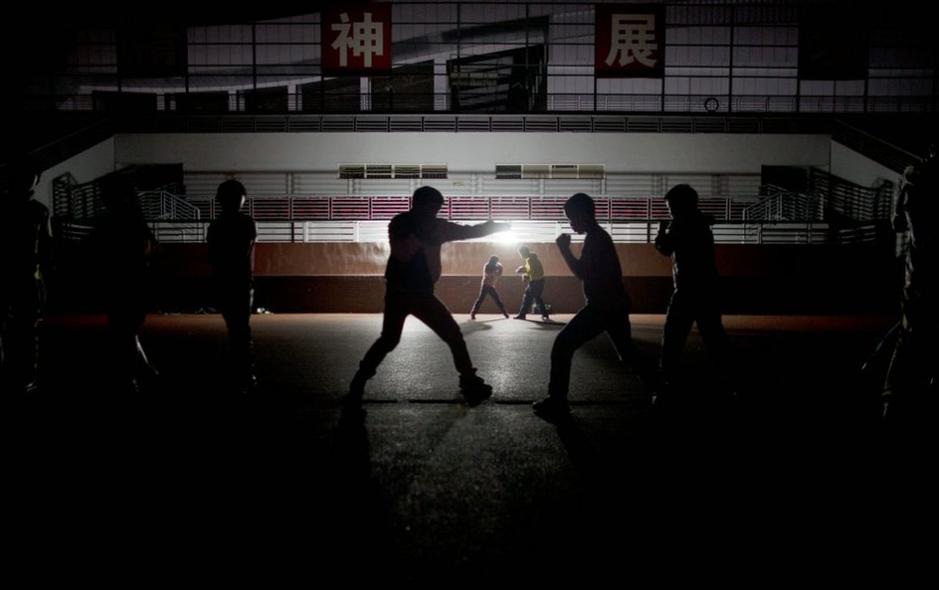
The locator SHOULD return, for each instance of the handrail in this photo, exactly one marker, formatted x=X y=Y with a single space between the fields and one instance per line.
x=164 y=205
x=875 y=148
x=786 y=205
x=635 y=232
x=378 y=103
x=851 y=200
x=462 y=207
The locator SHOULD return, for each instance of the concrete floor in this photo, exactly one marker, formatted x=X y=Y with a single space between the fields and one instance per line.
x=422 y=488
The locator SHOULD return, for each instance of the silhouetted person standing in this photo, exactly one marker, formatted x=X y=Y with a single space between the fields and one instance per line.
x=690 y=243
x=607 y=304
x=533 y=274
x=25 y=251
x=124 y=245
x=912 y=369
x=491 y=273
x=413 y=267
x=231 y=240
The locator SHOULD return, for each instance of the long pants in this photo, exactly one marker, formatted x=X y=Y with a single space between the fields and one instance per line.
x=20 y=306
x=234 y=302
x=533 y=294
x=126 y=351
x=684 y=309
x=428 y=309
x=913 y=362
x=587 y=324
x=491 y=291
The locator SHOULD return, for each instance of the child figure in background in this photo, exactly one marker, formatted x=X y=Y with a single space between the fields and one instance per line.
x=491 y=273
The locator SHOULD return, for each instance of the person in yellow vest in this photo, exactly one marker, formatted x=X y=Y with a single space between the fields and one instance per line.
x=533 y=274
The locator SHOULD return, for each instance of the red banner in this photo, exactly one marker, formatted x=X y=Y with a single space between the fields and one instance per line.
x=356 y=40
x=630 y=41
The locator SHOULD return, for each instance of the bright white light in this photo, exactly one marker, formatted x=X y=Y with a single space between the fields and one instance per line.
x=504 y=237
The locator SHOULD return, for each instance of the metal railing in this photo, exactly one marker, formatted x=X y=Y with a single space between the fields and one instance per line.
x=851 y=200
x=534 y=232
x=382 y=102
x=873 y=147
x=74 y=201
x=457 y=208
x=637 y=232
x=781 y=204
x=459 y=122
x=167 y=206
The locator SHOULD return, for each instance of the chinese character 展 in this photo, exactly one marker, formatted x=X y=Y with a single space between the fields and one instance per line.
x=633 y=37
x=366 y=38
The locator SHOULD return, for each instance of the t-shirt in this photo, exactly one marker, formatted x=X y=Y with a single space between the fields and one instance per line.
x=231 y=240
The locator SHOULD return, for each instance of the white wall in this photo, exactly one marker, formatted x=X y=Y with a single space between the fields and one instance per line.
x=474 y=152
x=90 y=164
x=850 y=165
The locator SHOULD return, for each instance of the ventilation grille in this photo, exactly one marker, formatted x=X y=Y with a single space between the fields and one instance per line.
x=536 y=171
x=524 y=171
x=379 y=171
x=509 y=171
x=407 y=171
x=352 y=171
x=433 y=170
x=392 y=170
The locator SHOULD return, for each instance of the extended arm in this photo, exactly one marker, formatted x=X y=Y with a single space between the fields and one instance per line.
x=451 y=232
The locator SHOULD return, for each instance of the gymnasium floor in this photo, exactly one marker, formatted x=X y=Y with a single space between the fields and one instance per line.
x=423 y=488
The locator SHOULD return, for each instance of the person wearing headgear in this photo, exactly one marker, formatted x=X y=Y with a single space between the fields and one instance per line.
x=491 y=273
x=606 y=309
x=231 y=237
x=25 y=259
x=533 y=275
x=124 y=248
x=690 y=243
x=413 y=268
x=912 y=370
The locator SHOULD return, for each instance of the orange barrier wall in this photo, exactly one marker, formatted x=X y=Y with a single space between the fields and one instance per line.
x=346 y=277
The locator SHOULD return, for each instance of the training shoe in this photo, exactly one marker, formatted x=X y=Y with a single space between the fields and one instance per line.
x=474 y=389
x=552 y=409
x=520 y=317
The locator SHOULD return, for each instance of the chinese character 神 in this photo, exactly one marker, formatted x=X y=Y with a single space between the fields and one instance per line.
x=633 y=37
x=366 y=38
